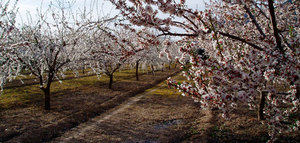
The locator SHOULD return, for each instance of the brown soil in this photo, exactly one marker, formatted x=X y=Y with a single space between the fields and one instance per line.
x=243 y=127
x=145 y=118
x=69 y=108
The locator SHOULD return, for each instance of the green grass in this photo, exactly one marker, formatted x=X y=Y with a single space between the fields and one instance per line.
x=22 y=95
x=12 y=97
x=164 y=90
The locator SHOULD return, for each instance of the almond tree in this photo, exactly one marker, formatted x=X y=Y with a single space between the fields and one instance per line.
x=170 y=53
x=46 y=47
x=108 y=50
x=146 y=44
x=151 y=57
x=7 y=25
x=238 y=50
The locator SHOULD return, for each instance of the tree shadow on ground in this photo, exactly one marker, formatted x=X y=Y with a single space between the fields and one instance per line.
x=243 y=127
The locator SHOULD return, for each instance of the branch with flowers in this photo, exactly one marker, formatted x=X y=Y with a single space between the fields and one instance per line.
x=252 y=48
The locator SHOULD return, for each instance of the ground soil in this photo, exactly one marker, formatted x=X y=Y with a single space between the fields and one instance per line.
x=146 y=118
x=243 y=127
x=31 y=123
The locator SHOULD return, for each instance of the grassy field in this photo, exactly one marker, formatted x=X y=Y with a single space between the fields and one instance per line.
x=20 y=96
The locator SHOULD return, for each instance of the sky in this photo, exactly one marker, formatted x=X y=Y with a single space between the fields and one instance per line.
x=100 y=7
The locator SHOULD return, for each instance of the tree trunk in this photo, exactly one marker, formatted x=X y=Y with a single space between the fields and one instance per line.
x=47 y=98
x=261 y=106
x=147 y=70
x=170 y=64
x=137 y=70
x=83 y=72
x=111 y=78
x=297 y=91
x=152 y=68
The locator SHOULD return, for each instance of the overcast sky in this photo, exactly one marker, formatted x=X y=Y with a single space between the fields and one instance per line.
x=30 y=6
x=104 y=7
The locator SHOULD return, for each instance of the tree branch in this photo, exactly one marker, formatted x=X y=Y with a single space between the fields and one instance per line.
x=288 y=45
x=177 y=34
x=274 y=24
x=254 y=20
x=176 y=22
x=193 y=23
x=260 y=10
x=241 y=40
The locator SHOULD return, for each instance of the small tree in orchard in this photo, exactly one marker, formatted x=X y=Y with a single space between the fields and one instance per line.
x=152 y=58
x=238 y=51
x=137 y=59
x=144 y=41
x=170 y=53
x=108 y=52
x=45 y=47
x=8 y=66
x=133 y=39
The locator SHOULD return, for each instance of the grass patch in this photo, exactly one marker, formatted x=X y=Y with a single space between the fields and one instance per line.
x=20 y=96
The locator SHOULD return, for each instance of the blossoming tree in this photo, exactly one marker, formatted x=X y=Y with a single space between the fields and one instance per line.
x=170 y=53
x=7 y=26
x=45 y=47
x=109 y=50
x=144 y=41
x=238 y=51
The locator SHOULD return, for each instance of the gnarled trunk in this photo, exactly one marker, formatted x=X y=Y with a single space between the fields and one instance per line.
x=83 y=70
x=111 y=79
x=262 y=102
x=46 y=89
x=152 y=69
x=297 y=91
x=137 y=70
x=47 y=98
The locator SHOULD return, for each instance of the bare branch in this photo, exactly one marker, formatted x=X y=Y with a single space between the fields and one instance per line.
x=274 y=24
x=241 y=40
x=178 y=34
x=254 y=21
x=260 y=10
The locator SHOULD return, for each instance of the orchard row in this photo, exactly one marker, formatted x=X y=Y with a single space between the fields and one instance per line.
x=234 y=53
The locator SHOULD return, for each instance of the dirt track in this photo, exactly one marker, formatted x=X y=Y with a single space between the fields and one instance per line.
x=148 y=117
x=28 y=123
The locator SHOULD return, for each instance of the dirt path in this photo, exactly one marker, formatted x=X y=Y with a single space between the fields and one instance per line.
x=157 y=115
x=84 y=128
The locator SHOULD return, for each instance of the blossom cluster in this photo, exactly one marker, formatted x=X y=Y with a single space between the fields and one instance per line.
x=250 y=47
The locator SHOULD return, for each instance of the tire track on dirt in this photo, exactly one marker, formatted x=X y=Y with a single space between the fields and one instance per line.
x=85 y=127
x=152 y=116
